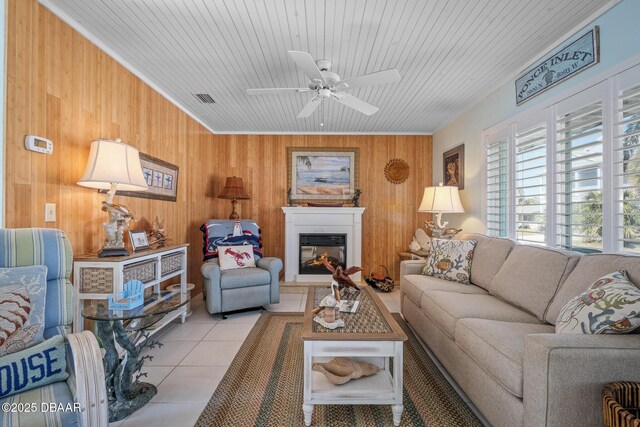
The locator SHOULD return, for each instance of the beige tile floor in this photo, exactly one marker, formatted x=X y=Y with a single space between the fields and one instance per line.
x=195 y=356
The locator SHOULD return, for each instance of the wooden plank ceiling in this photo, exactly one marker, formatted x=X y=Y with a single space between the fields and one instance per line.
x=450 y=53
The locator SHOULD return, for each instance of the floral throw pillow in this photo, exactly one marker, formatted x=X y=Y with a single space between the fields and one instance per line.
x=610 y=306
x=450 y=260
x=22 y=301
x=232 y=257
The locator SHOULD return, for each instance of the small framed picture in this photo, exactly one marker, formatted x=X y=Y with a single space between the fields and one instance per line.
x=157 y=179
x=453 y=167
x=138 y=240
x=148 y=175
x=168 y=182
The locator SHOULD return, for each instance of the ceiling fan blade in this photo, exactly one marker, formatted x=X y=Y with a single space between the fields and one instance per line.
x=310 y=107
x=277 y=91
x=355 y=103
x=378 y=78
x=307 y=64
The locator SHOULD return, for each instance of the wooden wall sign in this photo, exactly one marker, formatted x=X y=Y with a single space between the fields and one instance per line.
x=575 y=57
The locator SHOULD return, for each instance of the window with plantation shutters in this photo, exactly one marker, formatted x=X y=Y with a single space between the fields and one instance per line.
x=530 y=184
x=567 y=173
x=497 y=191
x=627 y=171
x=579 y=171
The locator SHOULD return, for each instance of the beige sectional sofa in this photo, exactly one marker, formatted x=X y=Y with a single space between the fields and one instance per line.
x=496 y=337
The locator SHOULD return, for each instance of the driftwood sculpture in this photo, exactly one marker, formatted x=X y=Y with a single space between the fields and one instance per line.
x=341 y=279
x=342 y=276
x=343 y=369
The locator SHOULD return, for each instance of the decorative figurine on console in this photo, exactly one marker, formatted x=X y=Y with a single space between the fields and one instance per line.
x=157 y=235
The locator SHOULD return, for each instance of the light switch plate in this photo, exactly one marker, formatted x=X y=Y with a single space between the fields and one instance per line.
x=49 y=212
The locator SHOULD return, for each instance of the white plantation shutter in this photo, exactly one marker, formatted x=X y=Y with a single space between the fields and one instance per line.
x=579 y=178
x=497 y=190
x=627 y=170
x=531 y=184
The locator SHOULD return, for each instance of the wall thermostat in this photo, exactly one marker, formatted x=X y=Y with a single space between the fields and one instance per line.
x=38 y=144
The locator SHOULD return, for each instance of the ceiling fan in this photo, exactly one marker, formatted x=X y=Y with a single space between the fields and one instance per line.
x=328 y=85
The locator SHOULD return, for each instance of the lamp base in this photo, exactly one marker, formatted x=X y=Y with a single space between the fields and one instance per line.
x=234 y=213
x=107 y=252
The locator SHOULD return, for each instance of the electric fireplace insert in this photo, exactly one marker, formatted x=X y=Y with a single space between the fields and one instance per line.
x=314 y=247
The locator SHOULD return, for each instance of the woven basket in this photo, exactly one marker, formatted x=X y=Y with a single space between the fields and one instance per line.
x=379 y=279
x=170 y=263
x=621 y=404
x=96 y=280
x=145 y=271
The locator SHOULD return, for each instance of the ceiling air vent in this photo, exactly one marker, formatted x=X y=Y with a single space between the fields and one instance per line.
x=205 y=98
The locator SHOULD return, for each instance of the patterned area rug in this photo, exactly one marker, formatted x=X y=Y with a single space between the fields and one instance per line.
x=264 y=386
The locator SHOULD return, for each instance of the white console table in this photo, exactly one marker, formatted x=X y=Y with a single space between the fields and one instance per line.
x=96 y=278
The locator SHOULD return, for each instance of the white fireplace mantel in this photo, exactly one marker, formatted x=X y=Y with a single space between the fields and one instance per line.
x=302 y=220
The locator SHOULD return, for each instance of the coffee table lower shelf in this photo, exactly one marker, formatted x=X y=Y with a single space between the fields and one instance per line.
x=383 y=388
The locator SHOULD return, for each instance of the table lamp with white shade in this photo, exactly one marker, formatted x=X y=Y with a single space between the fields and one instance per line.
x=113 y=166
x=439 y=200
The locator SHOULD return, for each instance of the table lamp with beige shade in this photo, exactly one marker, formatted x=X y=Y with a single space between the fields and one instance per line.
x=114 y=165
x=234 y=190
x=439 y=200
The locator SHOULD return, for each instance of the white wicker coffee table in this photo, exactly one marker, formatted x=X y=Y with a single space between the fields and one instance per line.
x=372 y=335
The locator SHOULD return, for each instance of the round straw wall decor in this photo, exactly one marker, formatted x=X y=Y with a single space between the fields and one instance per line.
x=396 y=171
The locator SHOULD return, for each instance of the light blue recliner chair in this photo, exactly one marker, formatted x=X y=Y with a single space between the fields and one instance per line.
x=86 y=383
x=230 y=290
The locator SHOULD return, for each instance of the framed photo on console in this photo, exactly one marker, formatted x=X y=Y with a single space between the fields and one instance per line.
x=316 y=173
x=139 y=240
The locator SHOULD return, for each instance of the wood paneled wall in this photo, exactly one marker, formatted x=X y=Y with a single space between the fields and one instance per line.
x=62 y=87
x=390 y=217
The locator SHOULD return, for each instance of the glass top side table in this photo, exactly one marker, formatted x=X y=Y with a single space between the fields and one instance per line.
x=127 y=394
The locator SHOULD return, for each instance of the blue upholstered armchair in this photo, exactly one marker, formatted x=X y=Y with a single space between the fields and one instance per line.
x=86 y=383
x=229 y=290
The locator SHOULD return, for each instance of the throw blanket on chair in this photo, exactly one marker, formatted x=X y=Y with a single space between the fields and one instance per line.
x=220 y=233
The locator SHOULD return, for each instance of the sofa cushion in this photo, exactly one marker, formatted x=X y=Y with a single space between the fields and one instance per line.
x=488 y=257
x=589 y=269
x=530 y=276
x=446 y=308
x=450 y=260
x=611 y=305
x=498 y=347
x=413 y=285
x=244 y=277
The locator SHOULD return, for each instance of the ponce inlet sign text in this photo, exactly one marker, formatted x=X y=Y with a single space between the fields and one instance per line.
x=564 y=63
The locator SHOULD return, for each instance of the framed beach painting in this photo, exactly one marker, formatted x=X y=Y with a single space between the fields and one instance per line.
x=322 y=173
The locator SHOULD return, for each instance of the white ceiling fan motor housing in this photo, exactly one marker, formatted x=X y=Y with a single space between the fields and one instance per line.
x=324 y=93
x=324 y=65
